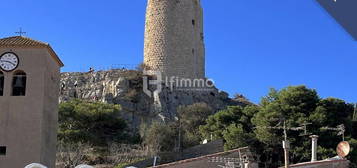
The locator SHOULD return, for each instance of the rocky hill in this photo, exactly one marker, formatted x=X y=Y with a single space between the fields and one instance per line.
x=125 y=87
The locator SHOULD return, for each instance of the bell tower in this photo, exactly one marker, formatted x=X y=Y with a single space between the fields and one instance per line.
x=174 y=41
x=29 y=88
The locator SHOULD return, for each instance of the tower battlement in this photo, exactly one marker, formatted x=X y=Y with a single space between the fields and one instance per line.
x=174 y=43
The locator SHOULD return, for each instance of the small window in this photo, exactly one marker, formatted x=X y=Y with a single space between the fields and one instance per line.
x=1 y=84
x=2 y=150
x=193 y=22
x=19 y=84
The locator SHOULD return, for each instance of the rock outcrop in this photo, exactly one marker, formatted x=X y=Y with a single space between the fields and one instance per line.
x=125 y=87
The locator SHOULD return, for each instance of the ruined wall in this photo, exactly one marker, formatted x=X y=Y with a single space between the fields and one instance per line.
x=174 y=42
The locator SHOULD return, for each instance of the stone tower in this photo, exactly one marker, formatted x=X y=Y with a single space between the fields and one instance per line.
x=29 y=90
x=174 y=41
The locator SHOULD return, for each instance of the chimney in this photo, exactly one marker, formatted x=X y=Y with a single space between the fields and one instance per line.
x=314 y=147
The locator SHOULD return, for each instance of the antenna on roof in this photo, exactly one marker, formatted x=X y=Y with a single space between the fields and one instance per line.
x=286 y=143
x=20 y=32
x=340 y=128
x=304 y=126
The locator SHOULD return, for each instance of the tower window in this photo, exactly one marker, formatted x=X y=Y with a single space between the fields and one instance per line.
x=19 y=84
x=2 y=79
x=193 y=22
x=2 y=150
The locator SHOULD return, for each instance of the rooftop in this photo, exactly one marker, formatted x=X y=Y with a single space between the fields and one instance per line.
x=21 y=41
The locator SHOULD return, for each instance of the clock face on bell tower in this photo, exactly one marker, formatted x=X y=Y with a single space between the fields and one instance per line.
x=9 y=61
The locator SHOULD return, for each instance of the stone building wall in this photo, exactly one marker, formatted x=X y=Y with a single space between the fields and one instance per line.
x=174 y=41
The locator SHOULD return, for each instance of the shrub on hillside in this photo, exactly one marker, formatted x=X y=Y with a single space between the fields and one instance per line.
x=91 y=122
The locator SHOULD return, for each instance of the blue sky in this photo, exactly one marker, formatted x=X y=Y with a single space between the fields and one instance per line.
x=251 y=45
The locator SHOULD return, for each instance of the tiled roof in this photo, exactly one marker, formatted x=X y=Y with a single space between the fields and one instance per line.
x=321 y=163
x=198 y=158
x=21 y=41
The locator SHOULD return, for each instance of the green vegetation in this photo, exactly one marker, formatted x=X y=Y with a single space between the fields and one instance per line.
x=91 y=122
x=100 y=125
x=184 y=132
x=159 y=137
x=232 y=124
x=189 y=120
x=95 y=133
x=295 y=105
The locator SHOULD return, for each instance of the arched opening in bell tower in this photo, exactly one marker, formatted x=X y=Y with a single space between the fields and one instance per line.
x=19 y=84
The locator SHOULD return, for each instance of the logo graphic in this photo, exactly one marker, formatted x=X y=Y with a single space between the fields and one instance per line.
x=155 y=79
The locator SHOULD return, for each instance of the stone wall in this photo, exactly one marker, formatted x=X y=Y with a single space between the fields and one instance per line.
x=174 y=43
